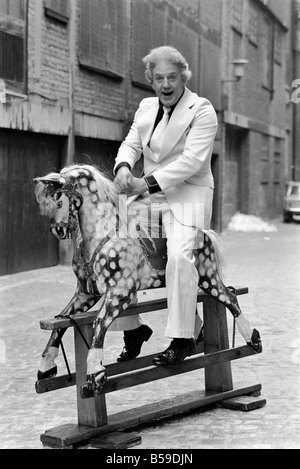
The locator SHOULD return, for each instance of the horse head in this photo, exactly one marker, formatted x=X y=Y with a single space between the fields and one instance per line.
x=58 y=199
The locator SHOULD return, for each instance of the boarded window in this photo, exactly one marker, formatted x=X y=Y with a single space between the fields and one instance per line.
x=187 y=41
x=153 y=27
x=104 y=36
x=149 y=31
x=12 y=40
x=58 y=9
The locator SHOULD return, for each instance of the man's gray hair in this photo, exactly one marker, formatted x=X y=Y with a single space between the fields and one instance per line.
x=170 y=54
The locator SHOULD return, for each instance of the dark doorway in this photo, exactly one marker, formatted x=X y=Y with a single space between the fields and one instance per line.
x=25 y=240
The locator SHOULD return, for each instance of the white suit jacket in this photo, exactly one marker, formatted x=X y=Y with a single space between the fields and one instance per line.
x=183 y=167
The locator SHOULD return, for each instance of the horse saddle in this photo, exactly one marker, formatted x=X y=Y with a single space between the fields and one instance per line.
x=155 y=249
x=156 y=252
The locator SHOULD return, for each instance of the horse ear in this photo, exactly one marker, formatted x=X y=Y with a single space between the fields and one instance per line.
x=48 y=180
x=50 y=184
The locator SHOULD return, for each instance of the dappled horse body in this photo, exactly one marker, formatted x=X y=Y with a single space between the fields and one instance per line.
x=114 y=257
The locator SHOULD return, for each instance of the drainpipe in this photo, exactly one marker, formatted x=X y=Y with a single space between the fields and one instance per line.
x=71 y=133
x=65 y=248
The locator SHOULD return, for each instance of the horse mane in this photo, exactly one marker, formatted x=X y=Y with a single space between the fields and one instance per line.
x=135 y=216
x=105 y=187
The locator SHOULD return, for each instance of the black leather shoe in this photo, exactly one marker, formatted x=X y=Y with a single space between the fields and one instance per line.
x=133 y=342
x=177 y=351
x=255 y=343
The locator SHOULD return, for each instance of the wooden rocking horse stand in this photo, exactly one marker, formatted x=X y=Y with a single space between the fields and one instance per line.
x=98 y=429
x=110 y=262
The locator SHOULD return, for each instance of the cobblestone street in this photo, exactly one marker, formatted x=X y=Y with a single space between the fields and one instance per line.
x=267 y=262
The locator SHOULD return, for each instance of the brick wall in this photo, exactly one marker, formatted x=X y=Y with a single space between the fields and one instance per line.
x=249 y=97
x=96 y=93
x=262 y=112
x=48 y=55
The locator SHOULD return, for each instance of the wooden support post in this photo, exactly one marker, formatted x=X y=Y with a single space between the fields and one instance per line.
x=218 y=377
x=91 y=412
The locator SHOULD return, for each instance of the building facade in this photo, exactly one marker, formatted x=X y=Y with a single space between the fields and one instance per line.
x=71 y=78
x=296 y=91
x=257 y=110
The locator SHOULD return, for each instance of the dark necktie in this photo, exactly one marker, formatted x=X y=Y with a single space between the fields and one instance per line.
x=158 y=134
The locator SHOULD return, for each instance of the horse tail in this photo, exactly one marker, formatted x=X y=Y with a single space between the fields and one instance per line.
x=218 y=250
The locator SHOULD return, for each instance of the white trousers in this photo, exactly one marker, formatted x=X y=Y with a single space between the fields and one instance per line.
x=181 y=279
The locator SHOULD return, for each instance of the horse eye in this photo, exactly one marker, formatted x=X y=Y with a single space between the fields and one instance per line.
x=59 y=204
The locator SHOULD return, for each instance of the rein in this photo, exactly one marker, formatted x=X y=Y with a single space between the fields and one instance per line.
x=70 y=192
x=75 y=202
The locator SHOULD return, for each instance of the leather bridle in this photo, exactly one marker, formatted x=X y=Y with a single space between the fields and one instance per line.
x=75 y=202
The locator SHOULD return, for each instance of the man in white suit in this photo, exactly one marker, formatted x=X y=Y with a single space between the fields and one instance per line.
x=175 y=132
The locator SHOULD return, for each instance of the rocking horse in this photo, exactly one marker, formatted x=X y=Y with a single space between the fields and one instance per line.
x=113 y=259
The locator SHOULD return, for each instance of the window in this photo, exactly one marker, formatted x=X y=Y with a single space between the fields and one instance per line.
x=295 y=191
x=277 y=161
x=209 y=75
x=58 y=9
x=103 y=45
x=277 y=45
x=237 y=15
x=149 y=28
x=264 y=160
x=267 y=54
x=253 y=25
x=12 y=44
x=152 y=28
x=187 y=41
x=13 y=8
x=237 y=41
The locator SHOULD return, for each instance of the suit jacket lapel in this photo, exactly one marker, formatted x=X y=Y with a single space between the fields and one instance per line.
x=180 y=119
x=146 y=121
